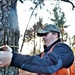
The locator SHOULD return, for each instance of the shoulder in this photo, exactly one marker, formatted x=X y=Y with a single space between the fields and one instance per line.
x=60 y=44
x=63 y=47
x=65 y=52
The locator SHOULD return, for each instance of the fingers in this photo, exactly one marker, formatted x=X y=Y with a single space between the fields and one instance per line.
x=1 y=65
x=6 y=48
x=9 y=48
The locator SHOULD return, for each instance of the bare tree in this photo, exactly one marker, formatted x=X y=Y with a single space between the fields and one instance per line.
x=9 y=30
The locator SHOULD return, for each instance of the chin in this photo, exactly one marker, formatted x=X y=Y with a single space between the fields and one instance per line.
x=46 y=44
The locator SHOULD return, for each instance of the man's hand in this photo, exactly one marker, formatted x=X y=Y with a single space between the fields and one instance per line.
x=6 y=48
x=5 y=58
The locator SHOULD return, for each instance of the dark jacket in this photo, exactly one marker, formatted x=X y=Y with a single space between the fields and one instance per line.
x=61 y=56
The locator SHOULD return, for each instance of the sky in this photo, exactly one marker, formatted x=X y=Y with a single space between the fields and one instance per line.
x=24 y=15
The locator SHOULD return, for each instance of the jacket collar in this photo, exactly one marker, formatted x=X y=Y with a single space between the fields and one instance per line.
x=49 y=47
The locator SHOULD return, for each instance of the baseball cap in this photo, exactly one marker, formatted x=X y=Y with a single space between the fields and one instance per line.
x=48 y=28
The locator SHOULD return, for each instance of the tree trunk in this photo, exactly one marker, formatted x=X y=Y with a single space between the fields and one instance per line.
x=9 y=30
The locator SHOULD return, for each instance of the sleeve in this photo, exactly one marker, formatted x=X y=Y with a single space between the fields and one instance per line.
x=50 y=63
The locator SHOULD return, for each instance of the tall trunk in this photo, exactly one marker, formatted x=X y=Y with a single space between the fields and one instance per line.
x=9 y=30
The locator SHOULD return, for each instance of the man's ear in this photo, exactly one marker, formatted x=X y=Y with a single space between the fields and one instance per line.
x=56 y=35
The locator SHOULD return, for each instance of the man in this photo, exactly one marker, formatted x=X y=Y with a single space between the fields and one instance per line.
x=56 y=55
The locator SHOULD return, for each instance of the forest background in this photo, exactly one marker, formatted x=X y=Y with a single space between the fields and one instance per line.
x=45 y=13
x=20 y=20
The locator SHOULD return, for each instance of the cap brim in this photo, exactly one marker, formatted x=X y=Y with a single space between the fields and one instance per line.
x=42 y=33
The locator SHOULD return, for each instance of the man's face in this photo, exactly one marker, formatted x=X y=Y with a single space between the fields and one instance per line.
x=49 y=38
